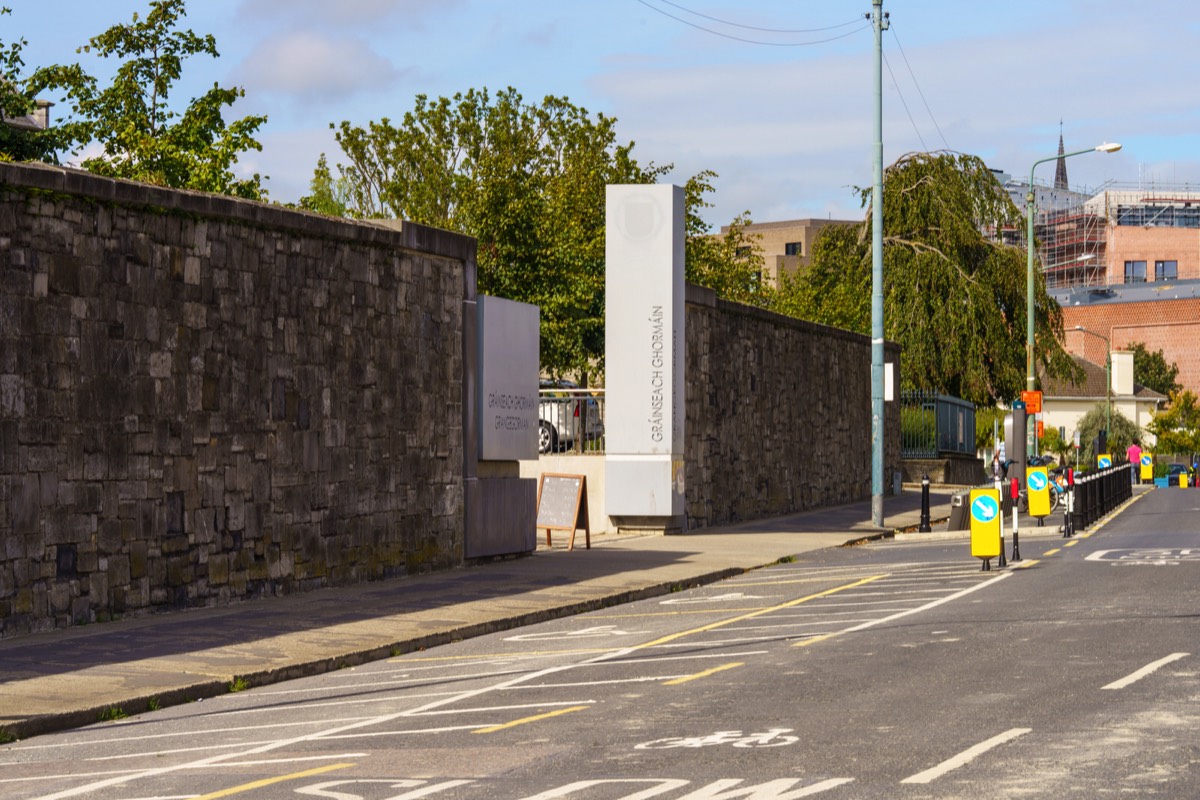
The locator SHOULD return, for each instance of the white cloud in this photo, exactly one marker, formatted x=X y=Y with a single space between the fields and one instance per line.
x=312 y=67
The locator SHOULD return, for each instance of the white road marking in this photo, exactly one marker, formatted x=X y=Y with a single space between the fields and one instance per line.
x=933 y=604
x=965 y=757
x=718 y=598
x=1144 y=671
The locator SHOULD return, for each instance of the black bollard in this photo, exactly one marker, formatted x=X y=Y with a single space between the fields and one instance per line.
x=924 y=527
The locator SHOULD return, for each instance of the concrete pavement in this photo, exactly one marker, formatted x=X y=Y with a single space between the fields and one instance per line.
x=71 y=677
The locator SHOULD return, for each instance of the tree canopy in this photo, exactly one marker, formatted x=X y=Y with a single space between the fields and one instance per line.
x=17 y=100
x=144 y=137
x=1177 y=429
x=1121 y=432
x=1152 y=370
x=954 y=297
x=527 y=180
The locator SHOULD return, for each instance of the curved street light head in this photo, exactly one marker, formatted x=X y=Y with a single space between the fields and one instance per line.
x=1108 y=147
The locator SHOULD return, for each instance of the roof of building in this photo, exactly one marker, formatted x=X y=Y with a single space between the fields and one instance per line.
x=1126 y=293
x=1094 y=382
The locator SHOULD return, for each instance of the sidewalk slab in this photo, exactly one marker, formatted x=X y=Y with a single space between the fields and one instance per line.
x=67 y=678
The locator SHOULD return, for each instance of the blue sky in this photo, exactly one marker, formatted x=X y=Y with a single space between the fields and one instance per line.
x=786 y=125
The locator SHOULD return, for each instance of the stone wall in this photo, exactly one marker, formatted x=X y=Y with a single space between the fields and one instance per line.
x=778 y=414
x=204 y=399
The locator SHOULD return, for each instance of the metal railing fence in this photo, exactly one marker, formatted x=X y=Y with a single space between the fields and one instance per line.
x=933 y=425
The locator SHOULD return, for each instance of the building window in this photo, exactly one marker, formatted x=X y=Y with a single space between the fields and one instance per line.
x=1166 y=270
x=793 y=249
x=746 y=252
x=1135 y=271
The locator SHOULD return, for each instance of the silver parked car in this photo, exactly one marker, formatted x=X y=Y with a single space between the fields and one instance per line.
x=568 y=415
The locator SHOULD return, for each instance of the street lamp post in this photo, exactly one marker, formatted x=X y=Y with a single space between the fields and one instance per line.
x=1107 y=377
x=1111 y=147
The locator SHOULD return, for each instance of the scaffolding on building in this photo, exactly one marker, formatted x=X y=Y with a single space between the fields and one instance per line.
x=1073 y=243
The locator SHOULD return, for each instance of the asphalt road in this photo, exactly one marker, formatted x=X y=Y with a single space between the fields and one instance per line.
x=895 y=670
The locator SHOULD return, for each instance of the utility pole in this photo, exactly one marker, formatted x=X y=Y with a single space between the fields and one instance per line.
x=879 y=23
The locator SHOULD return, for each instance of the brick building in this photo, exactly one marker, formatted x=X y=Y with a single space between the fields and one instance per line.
x=1163 y=315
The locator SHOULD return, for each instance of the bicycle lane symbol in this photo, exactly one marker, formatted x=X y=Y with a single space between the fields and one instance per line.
x=1147 y=556
x=774 y=737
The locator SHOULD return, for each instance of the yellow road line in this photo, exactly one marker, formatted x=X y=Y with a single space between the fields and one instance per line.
x=536 y=718
x=245 y=787
x=815 y=640
x=703 y=674
x=705 y=628
x=1071 y=543
x=1052 y=551
x=1026 y=564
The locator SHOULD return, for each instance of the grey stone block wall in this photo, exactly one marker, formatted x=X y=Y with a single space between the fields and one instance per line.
x=778 y=414
x=204 y=399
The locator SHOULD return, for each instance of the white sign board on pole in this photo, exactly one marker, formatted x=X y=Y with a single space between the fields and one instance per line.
x=644 y=349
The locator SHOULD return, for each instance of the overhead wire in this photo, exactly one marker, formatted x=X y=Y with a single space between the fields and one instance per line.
x=928 y=110
x=904 y=103
x=755 y=28
x=750 y=41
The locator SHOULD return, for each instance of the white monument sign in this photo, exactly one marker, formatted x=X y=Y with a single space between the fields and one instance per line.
x=644 y=348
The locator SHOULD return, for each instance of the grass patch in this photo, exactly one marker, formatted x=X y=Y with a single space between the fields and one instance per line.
x=153 y=705
x=6 y=737
x=239 y=684
x=112 y=714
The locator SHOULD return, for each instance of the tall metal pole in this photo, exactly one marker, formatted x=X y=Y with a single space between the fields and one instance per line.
x=1030 y=379
x=877 y=389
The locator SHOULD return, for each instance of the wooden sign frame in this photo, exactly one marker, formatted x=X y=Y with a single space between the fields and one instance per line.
x=566 y=506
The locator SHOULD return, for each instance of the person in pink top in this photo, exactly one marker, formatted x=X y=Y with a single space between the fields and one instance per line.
x=1134 y=454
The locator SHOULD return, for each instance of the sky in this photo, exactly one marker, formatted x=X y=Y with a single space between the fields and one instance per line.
x=784 y=119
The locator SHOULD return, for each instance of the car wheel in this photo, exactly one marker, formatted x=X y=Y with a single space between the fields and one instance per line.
x=547 y=438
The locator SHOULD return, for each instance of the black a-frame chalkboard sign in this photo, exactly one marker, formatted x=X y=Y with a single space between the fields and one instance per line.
x=562 y=505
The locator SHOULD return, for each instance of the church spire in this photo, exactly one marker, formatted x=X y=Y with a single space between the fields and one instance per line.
x=1060 y=172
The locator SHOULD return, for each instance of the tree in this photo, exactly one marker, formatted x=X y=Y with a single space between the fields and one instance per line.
x=1121 y=432
x=18 y=100
x=1152 y=371
x=528 y=182
x=953 y=297
x=1177 y=429
x=729 y=263
x=836 y=288
x=143 y=137
x=330 y=196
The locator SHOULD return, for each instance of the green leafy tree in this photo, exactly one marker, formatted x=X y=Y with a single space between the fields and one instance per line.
x=1152 y=370
x=729 y=263
x=1177 y=429
x=18 y=99
x=330 y=195
x=953 y=297
x=1121 y=432
x=1059 y=446
x=526 y=180
x=836 y=289
x=143 y=136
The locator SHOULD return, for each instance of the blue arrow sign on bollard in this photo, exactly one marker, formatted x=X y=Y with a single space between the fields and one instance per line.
x=985 y=509
x=1037 y=481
